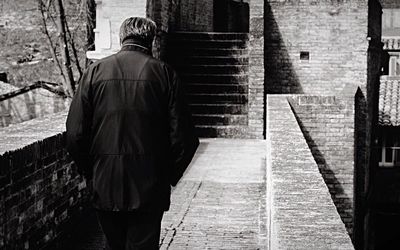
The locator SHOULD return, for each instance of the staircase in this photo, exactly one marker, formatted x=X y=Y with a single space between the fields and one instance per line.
x=214 y=69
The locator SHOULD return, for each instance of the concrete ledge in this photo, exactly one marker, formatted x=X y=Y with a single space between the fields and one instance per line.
x=23 y=134
x=302 y=214
x=327 y=123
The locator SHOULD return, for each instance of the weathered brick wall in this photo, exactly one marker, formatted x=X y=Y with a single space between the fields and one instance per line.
x=164 y=13
x=194 y=15
x=181 y=15
x=327 y=123
x=316 y=47
x=302 y=214
x=256 y=70
x=40 y=190
x=33 y=104
x=231 y=16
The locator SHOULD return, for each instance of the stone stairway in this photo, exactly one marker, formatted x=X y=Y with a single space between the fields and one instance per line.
x=214 y=69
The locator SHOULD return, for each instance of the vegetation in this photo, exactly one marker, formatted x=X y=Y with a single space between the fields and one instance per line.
x=44 y=40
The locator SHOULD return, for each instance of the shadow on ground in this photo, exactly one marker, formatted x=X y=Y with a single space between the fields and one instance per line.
x=86 y=235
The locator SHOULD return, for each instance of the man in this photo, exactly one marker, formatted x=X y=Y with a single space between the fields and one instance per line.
x=129 y=130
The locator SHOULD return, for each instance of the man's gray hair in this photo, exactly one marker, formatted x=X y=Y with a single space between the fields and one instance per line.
x=138 y=28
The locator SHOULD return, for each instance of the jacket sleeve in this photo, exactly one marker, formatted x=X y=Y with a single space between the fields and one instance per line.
x=184 y=141
x=78 y=127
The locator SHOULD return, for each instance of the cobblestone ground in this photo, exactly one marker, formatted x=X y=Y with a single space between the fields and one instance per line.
x=219 y=204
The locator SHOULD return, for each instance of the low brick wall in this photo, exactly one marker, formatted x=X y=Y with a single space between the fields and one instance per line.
x=40 y=189
x=302 y=214
x=327 y=123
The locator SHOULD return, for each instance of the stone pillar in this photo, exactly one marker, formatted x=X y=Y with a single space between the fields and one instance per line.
x=256 y=70
x=109 y=16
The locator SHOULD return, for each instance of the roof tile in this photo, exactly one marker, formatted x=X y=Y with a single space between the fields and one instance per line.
x=389 y=102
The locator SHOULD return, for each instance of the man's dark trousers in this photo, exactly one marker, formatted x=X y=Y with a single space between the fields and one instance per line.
x=131 y=230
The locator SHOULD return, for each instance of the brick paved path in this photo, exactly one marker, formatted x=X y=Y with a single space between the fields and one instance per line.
x=219 y=204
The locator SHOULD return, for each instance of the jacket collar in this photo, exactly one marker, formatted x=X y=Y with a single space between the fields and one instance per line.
x=135 y=45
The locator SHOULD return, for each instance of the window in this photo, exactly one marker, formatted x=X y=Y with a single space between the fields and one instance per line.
x=396 y=18
x=390 y=22
x=390 y=18
x=394 y=63
x=304 y=55
x=386 y=18
x=390 y=150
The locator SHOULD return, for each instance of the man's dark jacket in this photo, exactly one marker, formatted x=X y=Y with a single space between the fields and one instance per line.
x=130 y=130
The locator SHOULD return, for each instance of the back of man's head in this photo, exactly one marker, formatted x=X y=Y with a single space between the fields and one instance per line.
x=140 y=29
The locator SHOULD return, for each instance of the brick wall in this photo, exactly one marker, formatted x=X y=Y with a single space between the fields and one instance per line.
x=35 y=103
x=231 y=16
x=40 y=189
x=164 y=13
x=181 y=15
x=327 y=123
x=302 y=214
x=256 y=70
x=194 y=15
x=316 y=47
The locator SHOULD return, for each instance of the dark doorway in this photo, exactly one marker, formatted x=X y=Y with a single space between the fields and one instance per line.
x=231 y=16
x=387 y=230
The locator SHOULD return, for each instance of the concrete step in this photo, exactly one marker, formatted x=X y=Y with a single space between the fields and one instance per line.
x=233 y=109
x=214 y=78
x=217 y=98
x=209 y=60
x=217 y=120
x=216 y=88
x=213 y=69
x=194 y=51
x=231 y=131
x=225 y=44
x=207 y=35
